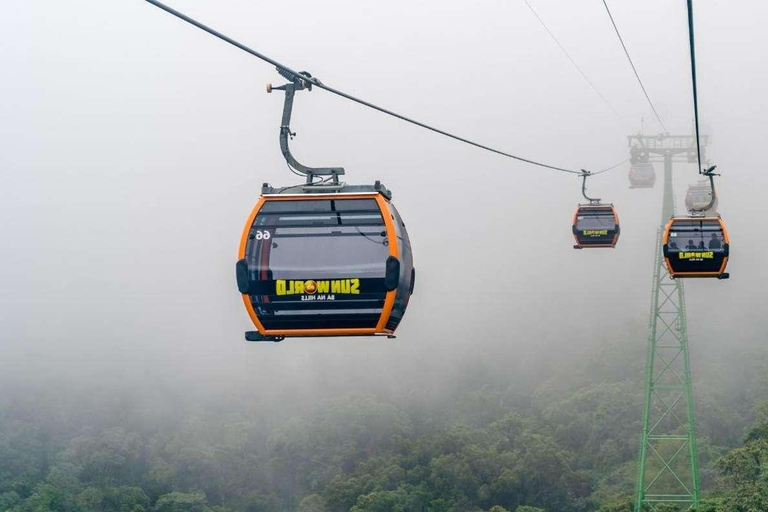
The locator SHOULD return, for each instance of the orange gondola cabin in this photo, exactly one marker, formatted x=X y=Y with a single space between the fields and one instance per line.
x=325 y=264
x=696 y=247
x=595 y=225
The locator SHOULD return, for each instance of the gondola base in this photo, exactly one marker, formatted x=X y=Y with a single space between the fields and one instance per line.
x=724 y=275
x=256 y=336
x=588 y=247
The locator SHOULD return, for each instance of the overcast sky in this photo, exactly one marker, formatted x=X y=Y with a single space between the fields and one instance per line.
x=134 y=147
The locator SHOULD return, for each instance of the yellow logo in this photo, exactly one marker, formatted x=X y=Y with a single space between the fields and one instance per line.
x=298 y=287
x=595 y=232
x=696 y=255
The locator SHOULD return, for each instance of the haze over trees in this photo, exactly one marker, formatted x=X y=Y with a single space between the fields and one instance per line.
x=563 y=442
x=134 y=147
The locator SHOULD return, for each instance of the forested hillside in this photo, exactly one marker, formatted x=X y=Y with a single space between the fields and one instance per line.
x=478 y=439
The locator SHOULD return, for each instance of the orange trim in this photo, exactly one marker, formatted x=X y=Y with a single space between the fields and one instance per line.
x=247 y=228
x=311 y=197
x=575 y=215
x=389 y=301
x=320 y=332
x=241 y=255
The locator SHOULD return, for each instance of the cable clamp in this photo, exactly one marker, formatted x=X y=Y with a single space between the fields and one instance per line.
x=287 y=130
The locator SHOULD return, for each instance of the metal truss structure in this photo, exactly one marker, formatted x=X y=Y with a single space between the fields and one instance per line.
x=667 y=466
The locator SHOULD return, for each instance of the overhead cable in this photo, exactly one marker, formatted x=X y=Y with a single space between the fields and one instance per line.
x=568 y=55
x=634 y=69
x=693 y=80
x=286 y=71
x=614 y=166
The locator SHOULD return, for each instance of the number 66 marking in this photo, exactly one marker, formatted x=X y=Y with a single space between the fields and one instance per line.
x=263 y=235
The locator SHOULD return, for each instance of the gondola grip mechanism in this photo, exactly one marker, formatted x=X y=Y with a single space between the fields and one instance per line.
x=584 y=175
x=298 y=82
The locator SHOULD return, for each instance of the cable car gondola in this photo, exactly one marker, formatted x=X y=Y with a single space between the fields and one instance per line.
x=595 y=224
x=697 y=245
x=324 y=258
x=699 y=197
x=642 y=175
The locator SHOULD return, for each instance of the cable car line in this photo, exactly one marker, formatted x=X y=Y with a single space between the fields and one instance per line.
x=306 y=266
x=614 y=166
x=565 y=52
x=709 y=172
x=637 y=75
x=693 y=80
x=310 y=81
x=697 y=245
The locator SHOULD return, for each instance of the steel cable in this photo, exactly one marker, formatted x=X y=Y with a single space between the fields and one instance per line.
x=693 y=80
x=568 y=55
x=317 y=83
x=634 y=69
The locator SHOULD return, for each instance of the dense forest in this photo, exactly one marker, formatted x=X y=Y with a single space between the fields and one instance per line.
x=479 y=439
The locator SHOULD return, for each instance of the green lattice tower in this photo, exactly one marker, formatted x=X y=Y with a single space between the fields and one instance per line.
x=667 y=466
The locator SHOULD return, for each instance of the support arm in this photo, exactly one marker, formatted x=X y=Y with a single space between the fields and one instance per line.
x=584 y=176
x=286 y=134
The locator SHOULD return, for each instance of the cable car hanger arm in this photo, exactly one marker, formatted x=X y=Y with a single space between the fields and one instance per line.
x=584 y=175
x=310 y=80
x=298 y=83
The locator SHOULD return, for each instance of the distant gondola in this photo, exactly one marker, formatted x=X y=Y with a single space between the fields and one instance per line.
x=595 y=225
x=698 y=197
x=642 y=175
x=696 y=247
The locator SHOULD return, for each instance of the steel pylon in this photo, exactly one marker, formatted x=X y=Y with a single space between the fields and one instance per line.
x=667 y=466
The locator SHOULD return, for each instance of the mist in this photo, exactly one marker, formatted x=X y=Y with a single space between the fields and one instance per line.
x=135 y=147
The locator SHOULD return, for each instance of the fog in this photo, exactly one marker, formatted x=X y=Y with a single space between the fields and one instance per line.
x=135 y=146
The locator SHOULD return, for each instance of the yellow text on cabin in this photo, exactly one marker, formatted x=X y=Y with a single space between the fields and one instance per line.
x=310 y=286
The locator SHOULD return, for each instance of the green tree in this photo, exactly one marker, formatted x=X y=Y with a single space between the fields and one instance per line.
x=125 y=499
x=182 y=502
x=312 y=503
x=48 y=498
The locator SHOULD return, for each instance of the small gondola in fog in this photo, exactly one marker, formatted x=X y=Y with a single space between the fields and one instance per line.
x=642 y=175
x=698 y=197
x=595 y=224
x=323 y=258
